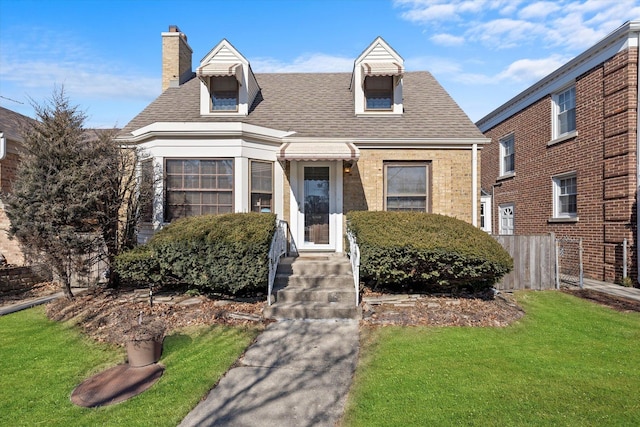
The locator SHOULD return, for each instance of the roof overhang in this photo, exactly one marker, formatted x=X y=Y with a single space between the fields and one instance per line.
x=318 y=151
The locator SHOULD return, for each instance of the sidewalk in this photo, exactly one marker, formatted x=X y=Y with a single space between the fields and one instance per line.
x=612 y=289
x=32 y=302
x=297 y=373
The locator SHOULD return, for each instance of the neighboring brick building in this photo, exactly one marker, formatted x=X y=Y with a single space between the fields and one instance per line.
x=11 y=125
x=563 y=156
x=308 y=146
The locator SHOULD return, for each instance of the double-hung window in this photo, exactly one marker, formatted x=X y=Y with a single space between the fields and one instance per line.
x=507 y=155
x=261 y=186
x=224 y=93
x=406 y=186
x=565 y=196
x=198 y=187
x=564 y=107
x=378 y=92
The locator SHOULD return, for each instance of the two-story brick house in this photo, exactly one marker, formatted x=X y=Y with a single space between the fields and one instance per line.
x=308 y=146
x=563 y=156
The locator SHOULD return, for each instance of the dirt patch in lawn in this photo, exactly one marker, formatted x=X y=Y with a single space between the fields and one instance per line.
x=103 y=313
x=483 y=309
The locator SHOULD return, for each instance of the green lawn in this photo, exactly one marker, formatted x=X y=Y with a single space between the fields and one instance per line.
x=41 y=362
x=568 y=362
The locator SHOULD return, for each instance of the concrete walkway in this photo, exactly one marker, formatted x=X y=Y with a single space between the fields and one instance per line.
x=612 y=289
x=297 y=373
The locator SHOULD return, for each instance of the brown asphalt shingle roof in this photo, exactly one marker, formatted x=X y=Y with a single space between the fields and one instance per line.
x=12 y=123
x=321 y=105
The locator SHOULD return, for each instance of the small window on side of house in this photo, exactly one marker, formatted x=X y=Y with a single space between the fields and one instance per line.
x=224 y=93
x=146 y=191
x=564 y=107
x=565 y=196
x=507 y=155
x=378 y=93
x=261 y=175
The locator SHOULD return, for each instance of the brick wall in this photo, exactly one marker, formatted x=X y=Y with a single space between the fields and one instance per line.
x=603 y=155
x=450 y=184
x=9 y=248
x=16 y=278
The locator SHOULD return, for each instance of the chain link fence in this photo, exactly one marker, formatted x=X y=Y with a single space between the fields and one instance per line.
x=569 y=262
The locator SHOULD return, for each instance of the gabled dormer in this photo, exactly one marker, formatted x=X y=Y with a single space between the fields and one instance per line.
x=376 y=82
x=227 y=84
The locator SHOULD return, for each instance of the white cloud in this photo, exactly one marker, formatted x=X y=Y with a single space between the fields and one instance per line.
x=447 y=39
x=316 y=62
x=505 y=32
x=531 y=70
x=538 y=10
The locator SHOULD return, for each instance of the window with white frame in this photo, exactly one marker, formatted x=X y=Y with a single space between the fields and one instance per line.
x=378 y=92
x=261 y=174
x=406 y=186
x=564 y=112
x=198 y=187
x=565 y=196
x=224 y=93
x=507 y=155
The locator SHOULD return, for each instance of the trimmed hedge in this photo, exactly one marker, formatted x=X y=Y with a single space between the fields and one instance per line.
x=227 y=254
x=426 y=251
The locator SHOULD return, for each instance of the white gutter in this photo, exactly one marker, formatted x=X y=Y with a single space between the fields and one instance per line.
x=474 y=185
x=3 y=146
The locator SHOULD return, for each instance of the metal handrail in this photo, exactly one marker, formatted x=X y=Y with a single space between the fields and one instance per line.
x=276 y=251
x=354 y=257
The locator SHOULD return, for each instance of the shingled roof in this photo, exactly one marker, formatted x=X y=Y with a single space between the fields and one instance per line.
x=12 y=124
x=320 y=105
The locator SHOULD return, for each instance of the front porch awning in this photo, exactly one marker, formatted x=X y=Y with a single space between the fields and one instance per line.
x=314 y=151
x=219 y=69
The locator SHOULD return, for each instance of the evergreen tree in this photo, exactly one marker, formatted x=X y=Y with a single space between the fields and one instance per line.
x=69 y=190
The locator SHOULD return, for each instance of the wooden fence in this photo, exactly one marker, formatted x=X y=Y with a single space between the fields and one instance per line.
x=534 y=262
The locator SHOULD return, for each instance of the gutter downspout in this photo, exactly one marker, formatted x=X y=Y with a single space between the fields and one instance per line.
x=3 y=146
x=474 y=185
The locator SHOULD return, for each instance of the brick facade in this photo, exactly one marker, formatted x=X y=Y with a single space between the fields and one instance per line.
x=602 y=154
x=8 y=247
x=450 y=186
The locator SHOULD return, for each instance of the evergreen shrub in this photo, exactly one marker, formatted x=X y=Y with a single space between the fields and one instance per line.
x=227 y=254
x=426 y=252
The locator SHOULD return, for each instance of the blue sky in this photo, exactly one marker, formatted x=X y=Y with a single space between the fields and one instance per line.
x=107 y=54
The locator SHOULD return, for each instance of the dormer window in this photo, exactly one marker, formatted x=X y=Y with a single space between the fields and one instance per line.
x=376 y=81
x=378 y=92
x=224 y=93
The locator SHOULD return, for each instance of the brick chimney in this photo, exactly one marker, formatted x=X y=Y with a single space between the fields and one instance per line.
x=176 y=58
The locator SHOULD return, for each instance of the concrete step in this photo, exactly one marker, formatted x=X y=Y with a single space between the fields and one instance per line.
x=314 y=281
x=312 y=310
x=310 y=266
x=324 y=295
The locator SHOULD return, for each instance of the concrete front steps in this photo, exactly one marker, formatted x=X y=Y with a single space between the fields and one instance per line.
x=314 y=286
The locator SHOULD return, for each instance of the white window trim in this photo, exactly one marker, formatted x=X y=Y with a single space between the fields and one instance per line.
x=504 y=173
x=556 y=136
x=487 y=203
x=557 y=217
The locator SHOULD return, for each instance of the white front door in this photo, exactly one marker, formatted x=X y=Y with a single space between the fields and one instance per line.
x=317 y=209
